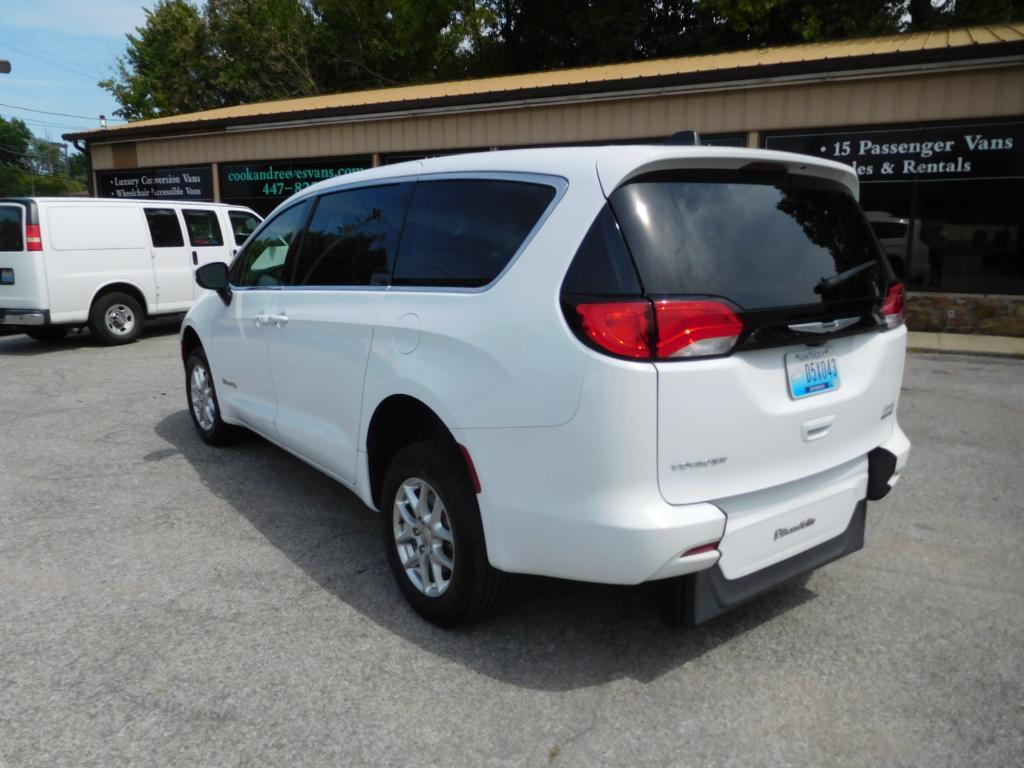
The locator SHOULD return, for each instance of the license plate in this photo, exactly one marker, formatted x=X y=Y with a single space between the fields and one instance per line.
x=6 y=276
x=812 y=372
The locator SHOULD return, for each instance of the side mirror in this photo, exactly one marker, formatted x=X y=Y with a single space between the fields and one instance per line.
x=214 y=277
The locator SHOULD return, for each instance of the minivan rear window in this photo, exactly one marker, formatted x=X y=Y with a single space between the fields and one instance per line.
x=462 y=233
x=11 y=236
x=760 y=239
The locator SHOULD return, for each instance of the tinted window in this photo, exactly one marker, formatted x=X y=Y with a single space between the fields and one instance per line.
x=352 y=237
x=10 y=228
x=203 y=228
x=602 y=264
x=262 y=261
x=760 y=240
x=242 y=225
x=464 y=232
x=164 y=228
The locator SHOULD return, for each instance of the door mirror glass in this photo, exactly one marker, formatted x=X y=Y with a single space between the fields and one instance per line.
x=213 y=276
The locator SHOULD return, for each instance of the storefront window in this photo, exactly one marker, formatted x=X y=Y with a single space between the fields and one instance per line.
x=969 y=237
x=944 y=200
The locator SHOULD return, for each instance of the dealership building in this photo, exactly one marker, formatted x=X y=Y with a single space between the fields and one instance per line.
x=932 y=122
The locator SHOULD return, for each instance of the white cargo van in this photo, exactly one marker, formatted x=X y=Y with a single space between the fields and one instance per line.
x=109 y=264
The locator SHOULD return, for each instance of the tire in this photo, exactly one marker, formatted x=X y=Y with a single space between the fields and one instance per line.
x=116 y=318
x=203 y=405
x=435 y=470
x=48 y=332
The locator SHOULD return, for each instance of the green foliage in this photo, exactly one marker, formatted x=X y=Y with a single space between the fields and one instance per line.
x=941 y=14
x=193 y=55
x=30 y=165
x=15 y=140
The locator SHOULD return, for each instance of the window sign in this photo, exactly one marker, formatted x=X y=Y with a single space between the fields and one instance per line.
x=264 y=184
x=932 y=153
x=192 y=183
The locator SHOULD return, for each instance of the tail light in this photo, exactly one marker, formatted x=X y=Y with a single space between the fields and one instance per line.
x=894 y=305
x=662 y=330
x=33 y=238
x=621 y=327
x=695 y=328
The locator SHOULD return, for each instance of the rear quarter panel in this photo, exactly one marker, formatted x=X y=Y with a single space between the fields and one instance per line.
x=88 y=246
x=498 y=357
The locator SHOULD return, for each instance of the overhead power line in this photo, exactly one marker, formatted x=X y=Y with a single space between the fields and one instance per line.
x=46 y=124
x=73 y=70
x=46 y=112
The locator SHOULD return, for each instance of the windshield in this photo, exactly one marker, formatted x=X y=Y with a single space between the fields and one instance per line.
x=760 y=240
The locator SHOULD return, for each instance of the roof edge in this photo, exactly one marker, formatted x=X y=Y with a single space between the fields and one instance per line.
x=863 y=63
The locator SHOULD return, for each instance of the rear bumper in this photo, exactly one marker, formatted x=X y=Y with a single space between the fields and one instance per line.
x=24 y=316
x=707 y=594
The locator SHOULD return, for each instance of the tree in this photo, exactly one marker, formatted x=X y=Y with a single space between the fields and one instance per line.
x=941 y=14
x=169 y=65
x=30 y=165
x=192 y=55
x=78 y=167
x=15 y=142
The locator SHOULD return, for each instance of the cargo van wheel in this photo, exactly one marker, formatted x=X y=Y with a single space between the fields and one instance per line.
x=116 y=318
x=48 y=332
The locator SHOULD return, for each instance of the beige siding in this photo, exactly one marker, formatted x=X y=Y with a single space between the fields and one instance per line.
x=909 y=99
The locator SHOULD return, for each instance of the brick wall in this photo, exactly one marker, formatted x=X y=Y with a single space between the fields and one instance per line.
x=966 y=313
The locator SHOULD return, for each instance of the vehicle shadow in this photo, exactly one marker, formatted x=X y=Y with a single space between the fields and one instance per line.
x=551 y=635
x=20 y=345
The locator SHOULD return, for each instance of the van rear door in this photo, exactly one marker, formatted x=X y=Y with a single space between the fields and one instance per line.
x=814 y=376
x=22 y=271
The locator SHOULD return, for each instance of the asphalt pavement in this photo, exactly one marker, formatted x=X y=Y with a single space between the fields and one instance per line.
x=165 y=603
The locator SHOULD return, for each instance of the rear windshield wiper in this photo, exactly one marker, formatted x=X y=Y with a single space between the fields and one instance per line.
x=828 y=283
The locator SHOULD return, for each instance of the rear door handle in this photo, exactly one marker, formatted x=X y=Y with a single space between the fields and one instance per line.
x=815 y=429
x=278 y=320
x=263 y=319
x=195 y=258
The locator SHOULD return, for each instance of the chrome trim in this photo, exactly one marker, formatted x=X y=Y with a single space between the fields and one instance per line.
x=827 y=326
x=24 y=317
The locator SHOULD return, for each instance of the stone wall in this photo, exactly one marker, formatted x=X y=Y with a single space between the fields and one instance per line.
x=966 y=313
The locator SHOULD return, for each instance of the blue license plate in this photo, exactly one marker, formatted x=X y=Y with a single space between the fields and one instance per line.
x=812 y=372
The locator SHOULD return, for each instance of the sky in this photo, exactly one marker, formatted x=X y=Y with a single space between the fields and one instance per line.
x=59 y=50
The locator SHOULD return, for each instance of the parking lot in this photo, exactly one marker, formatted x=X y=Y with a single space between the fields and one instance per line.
x=168 y=603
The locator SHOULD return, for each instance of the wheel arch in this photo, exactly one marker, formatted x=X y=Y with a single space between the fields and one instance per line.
x=398 y=420
x=121 y=286
x=189 y=341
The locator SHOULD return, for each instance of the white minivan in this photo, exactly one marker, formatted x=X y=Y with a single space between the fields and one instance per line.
x=623 y=364
x=109 y=264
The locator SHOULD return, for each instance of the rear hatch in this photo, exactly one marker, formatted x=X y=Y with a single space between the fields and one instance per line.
x=22 y=276
x=762 y=298
x=811 y=376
